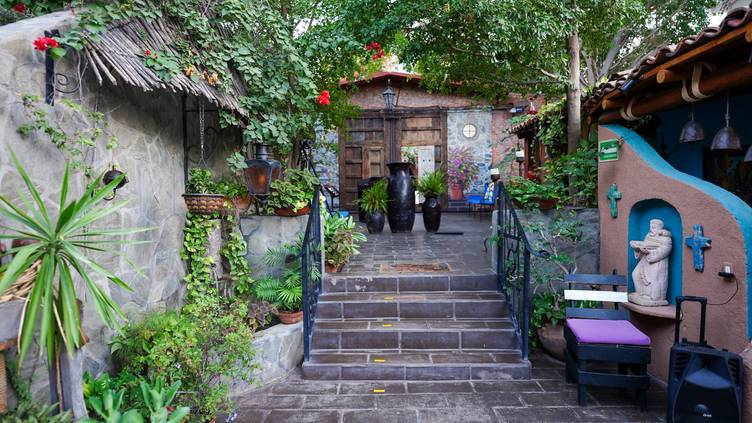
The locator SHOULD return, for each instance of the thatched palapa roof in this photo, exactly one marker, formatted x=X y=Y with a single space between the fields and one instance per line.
x=118 y=54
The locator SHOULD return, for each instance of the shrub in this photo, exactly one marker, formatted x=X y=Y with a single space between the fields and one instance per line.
x=374 y=198
x=341 y=239
x=432 y=184
x=200 y=181
x=295 y=190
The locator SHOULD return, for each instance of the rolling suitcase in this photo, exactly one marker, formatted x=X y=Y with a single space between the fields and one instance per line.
x=704 y=383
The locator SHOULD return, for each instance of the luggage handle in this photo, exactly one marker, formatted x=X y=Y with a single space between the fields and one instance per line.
x=703 y=305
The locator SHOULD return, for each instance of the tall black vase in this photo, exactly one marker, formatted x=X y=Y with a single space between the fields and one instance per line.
x=401 y=192
x=431 y=209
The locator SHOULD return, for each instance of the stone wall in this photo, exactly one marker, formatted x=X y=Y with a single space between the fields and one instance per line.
x=267 y=232
x=149 y=130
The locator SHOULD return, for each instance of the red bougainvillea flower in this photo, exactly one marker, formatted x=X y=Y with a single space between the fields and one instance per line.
x=324 y=98
x=19 y=8
x=43 y=43
x=376 y=45
x=368 y=47
x=147 y=52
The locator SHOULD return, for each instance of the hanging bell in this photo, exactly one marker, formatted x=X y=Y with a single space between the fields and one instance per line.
x=692 y=131
x=748 y=157
x=727 y=138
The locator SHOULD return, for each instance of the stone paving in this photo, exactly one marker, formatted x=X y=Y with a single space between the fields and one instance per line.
x=464 y=253
x=546 y=397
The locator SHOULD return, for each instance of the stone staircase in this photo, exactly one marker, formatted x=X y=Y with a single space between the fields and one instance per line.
x=407 y=327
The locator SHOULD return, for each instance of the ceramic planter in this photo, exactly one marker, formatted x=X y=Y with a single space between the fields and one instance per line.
x=375 y=222
x=289 y=212
x=552 y=339
x=431 y=209
x=455 y=192
x=290 y=318
x=401 y=193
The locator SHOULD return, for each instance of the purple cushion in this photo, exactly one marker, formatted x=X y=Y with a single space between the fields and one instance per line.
x=620 y=332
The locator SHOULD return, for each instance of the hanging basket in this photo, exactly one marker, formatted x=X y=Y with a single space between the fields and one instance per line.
x=22 y=286
x=205 y=203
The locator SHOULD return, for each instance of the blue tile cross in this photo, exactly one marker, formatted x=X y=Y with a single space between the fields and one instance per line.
x=698 y=242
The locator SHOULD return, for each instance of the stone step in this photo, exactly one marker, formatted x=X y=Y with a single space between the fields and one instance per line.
x=409 y=283
x=422 y=305
x=436 y=365
x=413 y=334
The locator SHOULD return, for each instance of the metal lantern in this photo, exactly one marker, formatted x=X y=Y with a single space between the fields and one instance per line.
x=494 y=173
x=727 y=138
x=692 y=130
x=748 y=157
x=110 y=176
x=260 y=172
x=519 y=155
x=388 y=95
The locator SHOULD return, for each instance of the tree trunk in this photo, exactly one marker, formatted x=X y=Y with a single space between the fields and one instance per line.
x=574 y=119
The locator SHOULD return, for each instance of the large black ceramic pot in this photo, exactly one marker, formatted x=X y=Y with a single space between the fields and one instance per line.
x=401 y=193
x=431 y=214
x=375 y=222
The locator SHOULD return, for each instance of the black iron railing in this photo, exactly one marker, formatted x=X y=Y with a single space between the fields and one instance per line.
x=311 y=270
x=513 y=257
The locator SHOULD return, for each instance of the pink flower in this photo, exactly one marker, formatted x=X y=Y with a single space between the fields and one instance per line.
x=19 y=8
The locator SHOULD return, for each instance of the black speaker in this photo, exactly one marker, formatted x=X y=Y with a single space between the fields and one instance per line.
x=704 y=383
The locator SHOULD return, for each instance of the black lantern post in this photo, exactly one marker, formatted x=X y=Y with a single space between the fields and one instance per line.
x=260 y=172
x=388 y=95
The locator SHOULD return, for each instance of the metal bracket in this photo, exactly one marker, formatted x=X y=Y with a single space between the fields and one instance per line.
x=55 y=81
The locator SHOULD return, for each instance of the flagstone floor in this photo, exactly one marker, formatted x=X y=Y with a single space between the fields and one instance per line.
x=546 y=397
x=460 y=245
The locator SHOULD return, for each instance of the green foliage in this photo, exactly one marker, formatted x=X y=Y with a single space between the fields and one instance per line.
x=28 y=411
x=231 y=187
x=158 y=399
x=578 y=171
x=127 y=382
x=199 y=278
x=165 y=64
x=341 y=239
x=552 y=125
x=284 y=287
x=432 y=184
x=154 y=400
x=61 y=243
x=74 y=146
x=374 y=198
x=108 y=408
x=528 y=194
x=235 y=251
x=236 y=160
x=200 y=181
x=295 y=190
x=210 y=340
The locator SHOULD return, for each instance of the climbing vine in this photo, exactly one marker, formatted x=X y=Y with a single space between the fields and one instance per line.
x=234 y=251
x=199 y=278
x=75 y=144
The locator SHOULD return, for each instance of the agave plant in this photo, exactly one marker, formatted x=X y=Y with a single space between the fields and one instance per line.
x=60 y=243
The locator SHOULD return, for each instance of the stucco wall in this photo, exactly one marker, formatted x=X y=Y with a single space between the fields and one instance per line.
x=640 y=174
x=149 y=129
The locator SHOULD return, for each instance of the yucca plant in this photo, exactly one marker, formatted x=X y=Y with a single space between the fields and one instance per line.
x=60 y=243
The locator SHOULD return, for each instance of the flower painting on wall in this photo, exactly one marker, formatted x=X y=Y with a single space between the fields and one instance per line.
x=461 y=170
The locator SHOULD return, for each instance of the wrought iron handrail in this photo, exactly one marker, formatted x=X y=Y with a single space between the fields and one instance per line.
x=311 y=270
x=513 y=281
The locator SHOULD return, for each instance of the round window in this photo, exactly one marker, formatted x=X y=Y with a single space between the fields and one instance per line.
x=469 y=130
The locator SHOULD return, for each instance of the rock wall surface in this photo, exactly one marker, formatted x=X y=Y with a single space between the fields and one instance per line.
x=149 y=130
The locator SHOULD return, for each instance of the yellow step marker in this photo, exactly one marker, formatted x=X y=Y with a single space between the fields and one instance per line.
x=388 y=298
x=387 y=325
x=378 y=391
x=379 y=360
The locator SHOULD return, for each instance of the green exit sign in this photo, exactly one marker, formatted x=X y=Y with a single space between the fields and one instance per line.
x=608 y=150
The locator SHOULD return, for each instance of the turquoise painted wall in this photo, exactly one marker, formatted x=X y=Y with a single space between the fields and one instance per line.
x=639 y=225
x=736 y=207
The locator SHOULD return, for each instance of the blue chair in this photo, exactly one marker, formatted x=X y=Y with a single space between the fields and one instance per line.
x=475 y=201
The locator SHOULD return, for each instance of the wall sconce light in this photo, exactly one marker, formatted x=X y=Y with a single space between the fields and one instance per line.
x=110 y=176
x=726 y=272
x=519 y=155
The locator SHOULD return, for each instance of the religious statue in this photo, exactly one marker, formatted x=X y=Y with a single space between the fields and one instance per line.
x=650 y=276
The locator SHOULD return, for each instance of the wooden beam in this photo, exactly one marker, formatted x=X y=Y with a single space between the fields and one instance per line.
x=613 y=104
x=731 y=77
x=703 y=49
x=667 y=75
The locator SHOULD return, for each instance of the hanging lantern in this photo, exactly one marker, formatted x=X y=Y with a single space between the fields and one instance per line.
x=260 y=173
x=388 y=95
x=532 y=110
x=727 y=138
x=748 y=157
x=692 y=130
x=110 y=176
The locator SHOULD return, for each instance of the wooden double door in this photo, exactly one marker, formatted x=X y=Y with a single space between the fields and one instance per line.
x=371 y=141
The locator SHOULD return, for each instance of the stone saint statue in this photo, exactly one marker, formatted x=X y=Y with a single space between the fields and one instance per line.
x=650 y=276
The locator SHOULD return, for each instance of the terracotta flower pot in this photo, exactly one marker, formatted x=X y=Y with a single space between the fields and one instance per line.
x=455 y=192
x=552 y=339
x=330 y=268
x=288 y=211
x=289 y=318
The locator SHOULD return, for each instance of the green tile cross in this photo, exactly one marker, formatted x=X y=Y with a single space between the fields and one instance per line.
x=613 y=196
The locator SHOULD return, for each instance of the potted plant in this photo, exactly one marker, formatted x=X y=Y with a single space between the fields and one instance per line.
x=341 y=240
x=201 y=193
x=549 y=311
x=373 y=201
x=292 y=195
x=237 y=192
x=528 y=194
x=461 y=170
x=431 y=186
